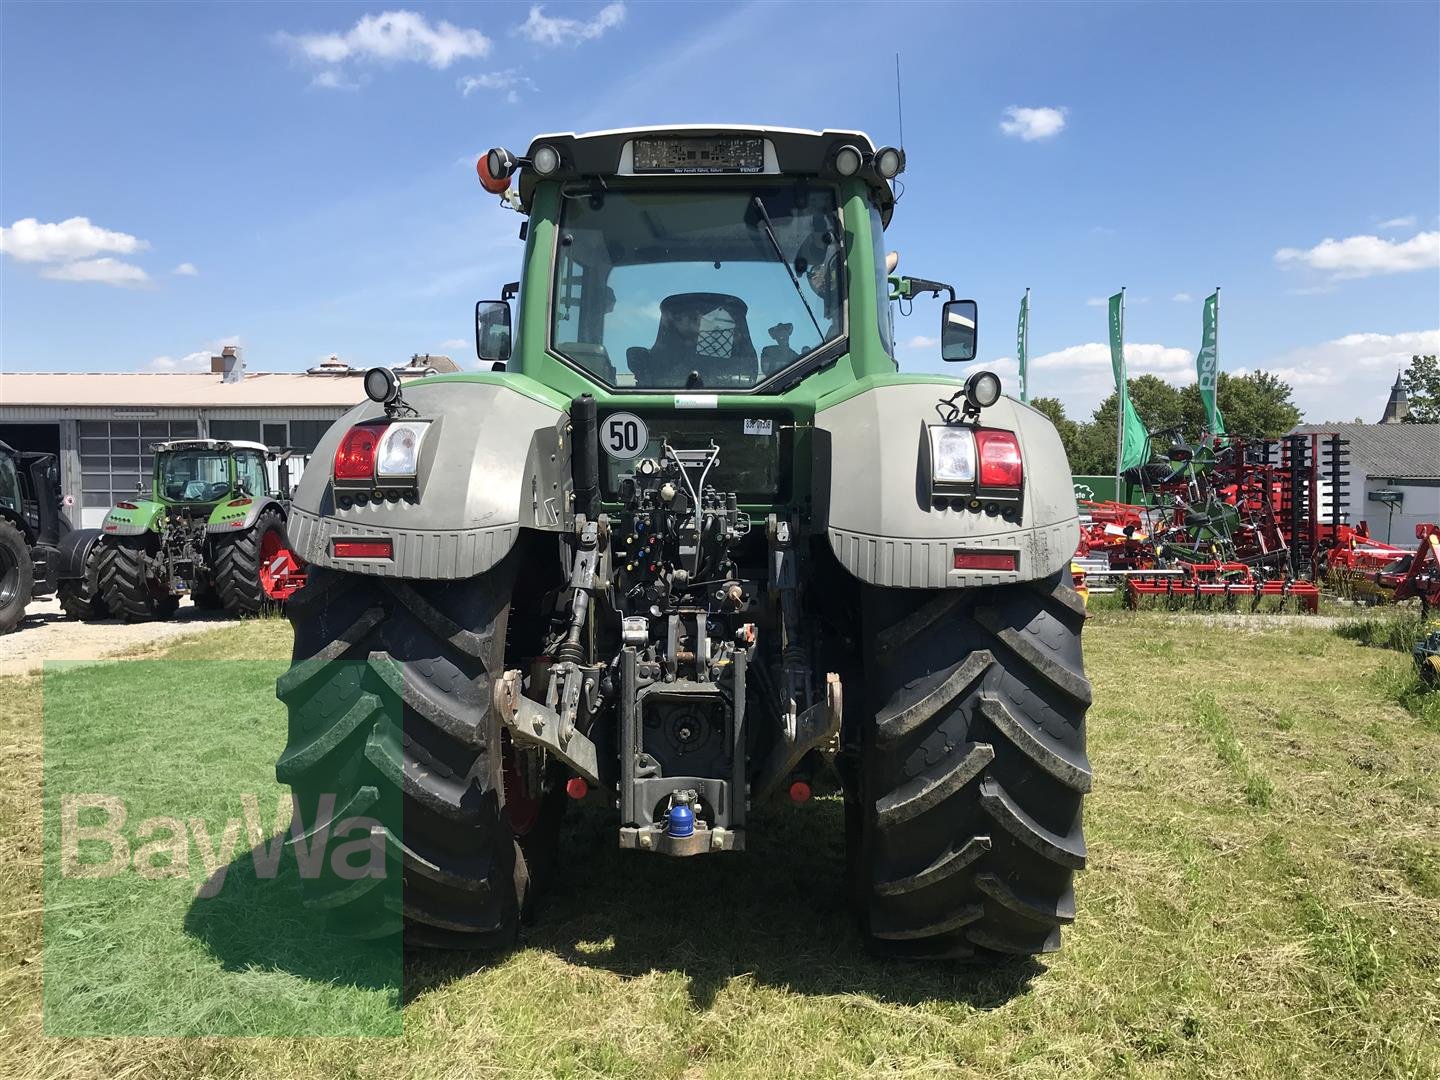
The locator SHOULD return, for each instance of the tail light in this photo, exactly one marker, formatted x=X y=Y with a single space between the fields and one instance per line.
x=355 y=456
x=240 y=502
x=126 y=506
x=999 y=454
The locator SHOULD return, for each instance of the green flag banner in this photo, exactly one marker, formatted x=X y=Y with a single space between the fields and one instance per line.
x=1022 y=345
x=1133 y=441
x=1207 y=365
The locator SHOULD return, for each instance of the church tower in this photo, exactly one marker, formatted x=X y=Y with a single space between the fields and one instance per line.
x=1398 y=407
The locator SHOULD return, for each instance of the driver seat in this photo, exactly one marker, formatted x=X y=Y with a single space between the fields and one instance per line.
x=702 y=332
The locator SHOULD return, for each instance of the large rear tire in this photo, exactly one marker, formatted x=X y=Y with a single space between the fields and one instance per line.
x=471 y=842
x=17 y=576
x=126 y=583
x=966 y=826
x=80 y=597
x=237 y=565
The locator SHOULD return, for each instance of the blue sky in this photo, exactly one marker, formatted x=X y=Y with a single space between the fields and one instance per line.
x=298 y=177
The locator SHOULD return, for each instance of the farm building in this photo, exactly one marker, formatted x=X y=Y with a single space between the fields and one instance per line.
x=1394 y=475
x=102 y=425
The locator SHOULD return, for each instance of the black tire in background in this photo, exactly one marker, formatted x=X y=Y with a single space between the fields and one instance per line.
x=17 y=576
x=80 y=597
x=125 y=581
x=237 y=566
x=471 y=848
x=205 y=596
x=965 y=830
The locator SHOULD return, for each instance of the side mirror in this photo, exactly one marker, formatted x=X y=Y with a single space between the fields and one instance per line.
x=958 y=323
x=492 y=330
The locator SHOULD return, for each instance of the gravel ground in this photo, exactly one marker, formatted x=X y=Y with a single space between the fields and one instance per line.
x=46 y=634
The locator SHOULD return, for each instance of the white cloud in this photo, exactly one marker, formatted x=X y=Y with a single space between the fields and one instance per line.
x=1406 y=222
x=388 y=38
x=195 y=361
x=1182 y=298
x=455 y=343
x=29 y=240
x=106 y=271
x=510 y=82
x=553 y=31
x=1096 y=301
x=334 y=79
x=1032 y=124
x=920 y=341
x=186 y=269
x=1366 y=256
x=1335 y=379
x=1167 y=361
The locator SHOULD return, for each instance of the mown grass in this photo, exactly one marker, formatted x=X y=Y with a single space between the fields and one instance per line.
x=1220 y=933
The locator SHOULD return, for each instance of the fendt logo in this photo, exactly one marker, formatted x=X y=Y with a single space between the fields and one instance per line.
x=169 y=847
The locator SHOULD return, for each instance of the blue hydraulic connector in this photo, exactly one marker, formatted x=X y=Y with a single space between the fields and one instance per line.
x=682 y=820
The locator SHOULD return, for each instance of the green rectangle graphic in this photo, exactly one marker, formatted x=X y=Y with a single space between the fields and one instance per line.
x=184 y=893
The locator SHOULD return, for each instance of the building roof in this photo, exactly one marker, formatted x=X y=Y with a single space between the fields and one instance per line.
x=201 y=389
x=1410 y=450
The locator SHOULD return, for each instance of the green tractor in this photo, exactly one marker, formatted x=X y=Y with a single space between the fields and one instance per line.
x=33 y=531
x=213 y=525
x=694 y=544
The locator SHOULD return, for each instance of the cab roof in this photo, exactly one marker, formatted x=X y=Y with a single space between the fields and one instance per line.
x=212 y=444
x=789 y=152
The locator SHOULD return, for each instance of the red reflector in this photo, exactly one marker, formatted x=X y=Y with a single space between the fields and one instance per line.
x=576 y=787
x=355 y=456
x=799 y=791
x=240 y=502
x=126 y=506
x=985 y=560
x=363 y=549
x=999 y=455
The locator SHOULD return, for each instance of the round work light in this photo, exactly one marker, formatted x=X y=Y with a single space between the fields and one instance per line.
x=848 y=160
x=545 y=161
x=889 y=162
x=982 y=389
x=382 y=385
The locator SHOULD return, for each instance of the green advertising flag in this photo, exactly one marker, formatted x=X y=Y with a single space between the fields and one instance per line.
x=1132 y=440
x=1022 y=345
x=1207 y=364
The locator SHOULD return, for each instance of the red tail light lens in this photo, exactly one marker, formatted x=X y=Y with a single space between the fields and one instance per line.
x=363 y=549
x=126 y=506
x=999 y=454
x=355 y=456
x=240 y=502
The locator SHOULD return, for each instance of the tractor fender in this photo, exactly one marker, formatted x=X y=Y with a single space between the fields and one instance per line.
x=228 y=518
x=494 y=461
x=872 y=493
x=74 y=550
x=125 y=522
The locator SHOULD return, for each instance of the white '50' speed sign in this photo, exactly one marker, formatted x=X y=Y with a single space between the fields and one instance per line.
x=623 y=435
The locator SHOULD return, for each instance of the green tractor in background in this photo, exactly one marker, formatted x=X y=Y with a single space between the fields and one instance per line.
x=213 y=525
x=32 y=531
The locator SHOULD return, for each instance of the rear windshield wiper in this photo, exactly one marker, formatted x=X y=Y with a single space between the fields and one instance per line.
x=779 y=254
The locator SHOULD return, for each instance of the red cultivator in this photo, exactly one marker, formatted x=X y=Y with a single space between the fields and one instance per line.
x=1199 y=584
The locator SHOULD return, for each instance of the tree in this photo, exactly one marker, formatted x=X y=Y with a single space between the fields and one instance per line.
x=1256 y=405
x=1159 y=406
x=1069 y=430
x=1422 y=386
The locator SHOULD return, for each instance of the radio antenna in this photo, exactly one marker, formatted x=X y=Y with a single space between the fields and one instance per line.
x=899 y=107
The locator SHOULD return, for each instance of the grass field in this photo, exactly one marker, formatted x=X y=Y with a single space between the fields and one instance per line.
x=1263 y=899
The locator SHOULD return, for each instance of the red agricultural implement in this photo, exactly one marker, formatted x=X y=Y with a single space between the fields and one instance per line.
x=1219 y=584
x=1251 y=519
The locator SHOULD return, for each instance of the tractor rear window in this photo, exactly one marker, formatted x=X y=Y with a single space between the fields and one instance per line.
x=194 y=476
x=714 y=290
